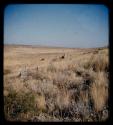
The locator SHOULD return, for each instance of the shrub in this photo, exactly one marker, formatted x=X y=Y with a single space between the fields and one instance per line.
x=51 y=68
x=7 y=71
x=16 y=103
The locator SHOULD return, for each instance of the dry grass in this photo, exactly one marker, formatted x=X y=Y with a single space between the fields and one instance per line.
x=94 y=62
x=63 y=100
x=40 y=103
x=99 y=91
x=74 y=88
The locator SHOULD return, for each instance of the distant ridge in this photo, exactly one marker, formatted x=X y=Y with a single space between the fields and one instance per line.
x=41 y=46
x=47 y=46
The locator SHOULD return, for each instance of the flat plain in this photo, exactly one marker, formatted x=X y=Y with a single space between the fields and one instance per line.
x=55 y=84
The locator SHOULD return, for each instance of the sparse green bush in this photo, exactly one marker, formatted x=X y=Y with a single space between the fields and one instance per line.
x=16 y=103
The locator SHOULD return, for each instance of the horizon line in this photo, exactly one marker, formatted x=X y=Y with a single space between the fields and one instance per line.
x=51 y=46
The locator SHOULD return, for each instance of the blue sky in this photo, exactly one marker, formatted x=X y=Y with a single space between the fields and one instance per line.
x=65 y=25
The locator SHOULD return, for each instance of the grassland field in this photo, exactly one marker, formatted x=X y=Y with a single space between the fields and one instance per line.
x=56 y=84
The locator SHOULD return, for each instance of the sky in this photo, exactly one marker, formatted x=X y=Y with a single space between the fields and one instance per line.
x=61 y=25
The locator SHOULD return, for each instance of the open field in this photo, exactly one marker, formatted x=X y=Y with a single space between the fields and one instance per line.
x=55 y=84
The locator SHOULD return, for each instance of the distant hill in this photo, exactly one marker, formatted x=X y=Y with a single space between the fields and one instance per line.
x=47 y=46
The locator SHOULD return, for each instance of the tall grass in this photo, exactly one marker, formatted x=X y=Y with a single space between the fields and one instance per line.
x=98 y=63
x=99 y=91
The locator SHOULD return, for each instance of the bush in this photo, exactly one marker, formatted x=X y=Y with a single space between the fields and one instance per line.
x=16 y=103
x=6 y=71
x=51 y=68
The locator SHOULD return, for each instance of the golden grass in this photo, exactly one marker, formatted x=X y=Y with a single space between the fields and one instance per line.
x=63 y=100
x=55 y=86
x=99 y=62
x=84 y=96
x=40 y=103
x=99 y=91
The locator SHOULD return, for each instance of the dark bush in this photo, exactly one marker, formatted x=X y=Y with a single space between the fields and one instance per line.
x=14 y=104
